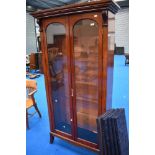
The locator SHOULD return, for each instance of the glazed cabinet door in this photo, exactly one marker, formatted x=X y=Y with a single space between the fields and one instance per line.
x=58 y=75
x=86 y=74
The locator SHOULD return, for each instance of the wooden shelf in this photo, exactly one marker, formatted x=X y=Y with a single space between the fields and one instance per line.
x=87 y=110
x=87 y=59
x=86 y=83
x=94 y=101
x=86 y=121
x=87 y=115
x=88 y=75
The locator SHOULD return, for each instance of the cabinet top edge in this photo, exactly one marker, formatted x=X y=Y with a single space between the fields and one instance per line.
x=85 y=7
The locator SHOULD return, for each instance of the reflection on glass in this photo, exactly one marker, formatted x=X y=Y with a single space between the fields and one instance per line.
x=86 y=77
x=57 y=59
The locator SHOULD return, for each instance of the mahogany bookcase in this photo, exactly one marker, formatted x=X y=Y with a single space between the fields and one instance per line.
x=77 y=42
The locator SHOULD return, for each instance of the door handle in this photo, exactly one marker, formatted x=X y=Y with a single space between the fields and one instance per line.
x=72 y=92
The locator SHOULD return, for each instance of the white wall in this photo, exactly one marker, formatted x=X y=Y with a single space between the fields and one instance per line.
x=30 y=35
x=122 y=29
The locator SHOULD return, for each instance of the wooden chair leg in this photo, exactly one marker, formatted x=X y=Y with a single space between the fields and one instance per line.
x=36 y=107
x=27 y=123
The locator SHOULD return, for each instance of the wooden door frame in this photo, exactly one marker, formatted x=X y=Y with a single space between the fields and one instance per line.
x=45 y=23
x=73 y=19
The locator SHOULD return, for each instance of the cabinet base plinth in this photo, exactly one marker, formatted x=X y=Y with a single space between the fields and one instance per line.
x=51 y=139
x=91 y=146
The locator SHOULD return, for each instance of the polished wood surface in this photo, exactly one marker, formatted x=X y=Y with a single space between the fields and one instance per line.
x=81 y=87
x=79 y=142
x=84 y=7
x=33 y=61
x=40 y=62
x=86 y=100
x=36 y=61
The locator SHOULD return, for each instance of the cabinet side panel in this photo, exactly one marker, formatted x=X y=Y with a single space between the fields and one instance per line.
x=110 y=59
x=109 y=80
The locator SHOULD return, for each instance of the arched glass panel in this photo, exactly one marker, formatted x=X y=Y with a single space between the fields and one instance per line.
x=85 y=34
x=58 y=69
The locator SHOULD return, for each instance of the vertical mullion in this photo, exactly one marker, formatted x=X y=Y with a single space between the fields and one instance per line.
x=71 y=42
x=68 y=45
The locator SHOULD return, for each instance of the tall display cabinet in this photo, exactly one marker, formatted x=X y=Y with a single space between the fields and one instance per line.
x=77 y=42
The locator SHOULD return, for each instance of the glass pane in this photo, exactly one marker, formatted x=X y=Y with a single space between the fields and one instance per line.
x=57 y=61
x=86 y=78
